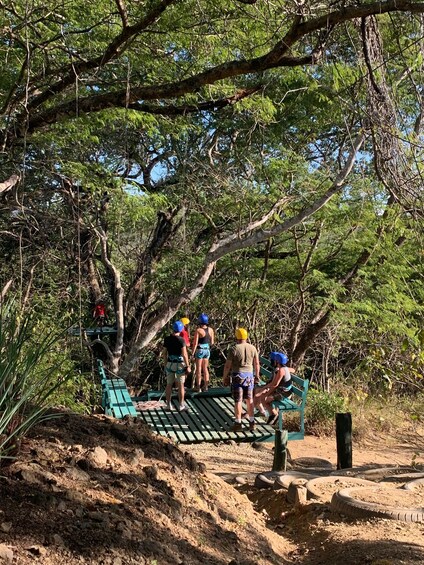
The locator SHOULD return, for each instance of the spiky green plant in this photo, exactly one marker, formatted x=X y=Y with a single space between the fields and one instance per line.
x=25 y=390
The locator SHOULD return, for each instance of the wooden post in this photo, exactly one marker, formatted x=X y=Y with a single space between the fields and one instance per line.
x=344 y=440
x=280 y=450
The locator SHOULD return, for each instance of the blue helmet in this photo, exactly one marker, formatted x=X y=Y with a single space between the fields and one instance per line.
x=178 y=326
x=278 y=357
x=203 y=319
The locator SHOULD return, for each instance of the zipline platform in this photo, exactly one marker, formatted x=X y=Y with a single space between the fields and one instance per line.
x=209 y=418
x=92 y=331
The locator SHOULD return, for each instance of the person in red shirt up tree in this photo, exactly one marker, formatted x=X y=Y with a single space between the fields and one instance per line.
x=99 y=313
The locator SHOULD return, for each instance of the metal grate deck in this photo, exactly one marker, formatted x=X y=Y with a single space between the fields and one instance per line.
x=208 y=419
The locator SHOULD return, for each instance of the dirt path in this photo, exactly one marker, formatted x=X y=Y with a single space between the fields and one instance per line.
x=320 y=535
x=231 y=458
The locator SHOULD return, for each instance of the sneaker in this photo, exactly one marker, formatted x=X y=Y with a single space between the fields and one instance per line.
x=169 y=408
x=183 y=408
x=273 y=418
x=236 y=427
x=252 y=426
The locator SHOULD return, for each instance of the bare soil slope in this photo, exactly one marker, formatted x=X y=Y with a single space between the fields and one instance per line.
x=94 y=490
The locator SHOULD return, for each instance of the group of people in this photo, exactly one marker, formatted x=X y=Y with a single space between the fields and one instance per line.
x=177 y=362
x=241 y=371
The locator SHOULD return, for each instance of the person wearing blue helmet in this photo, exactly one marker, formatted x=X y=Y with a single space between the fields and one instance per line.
x=176 y=364
x=203 y=340
x=280 y=386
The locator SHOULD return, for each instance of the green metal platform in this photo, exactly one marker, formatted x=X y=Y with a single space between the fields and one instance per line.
x=105 y=330
x=209 y=418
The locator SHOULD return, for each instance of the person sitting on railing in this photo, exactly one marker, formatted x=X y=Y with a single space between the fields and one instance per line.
x=280 y=386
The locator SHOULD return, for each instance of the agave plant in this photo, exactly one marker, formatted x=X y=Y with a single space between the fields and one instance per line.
x=25 y=390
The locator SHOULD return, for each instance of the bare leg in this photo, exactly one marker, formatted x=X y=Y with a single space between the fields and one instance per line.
x=205 y=367
x=237 y=411
x=198 y=373
x=168 y=392
x=259 y=397
x=250 y=407
x=268 y=405
x=180 y=386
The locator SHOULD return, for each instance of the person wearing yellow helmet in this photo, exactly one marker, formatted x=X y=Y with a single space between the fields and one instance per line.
x=243 y=365
x=184 y=333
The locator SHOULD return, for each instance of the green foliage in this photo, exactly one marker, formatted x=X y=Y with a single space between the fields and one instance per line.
x=26 y=383
x=223 y=168
x=321 y=409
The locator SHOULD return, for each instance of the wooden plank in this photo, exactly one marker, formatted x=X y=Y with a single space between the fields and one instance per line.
x=212 y=392
x=267 y=373
x=148 y=417
x=180 y=425
x=227 y=405
x=296 y=435
x=261 y=429
x=105 y=330
x=208 y=419
x=216 y=412
x=114 y=403
x=299 y=381
x=286 y=405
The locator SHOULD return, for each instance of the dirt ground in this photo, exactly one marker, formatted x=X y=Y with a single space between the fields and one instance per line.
x=320 y=535
x=89 y=489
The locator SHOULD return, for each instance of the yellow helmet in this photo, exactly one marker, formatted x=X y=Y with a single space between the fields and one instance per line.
x=241 y=333
x=185 y=321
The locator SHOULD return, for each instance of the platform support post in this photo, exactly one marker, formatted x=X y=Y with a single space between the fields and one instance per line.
x=280 y=450
x=344 y=440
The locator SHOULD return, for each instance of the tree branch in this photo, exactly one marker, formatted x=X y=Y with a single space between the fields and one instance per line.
x=118 y=297
x=113 y=50
x=224 y=247
x=8 y=184
x=279 y=56
x=122 y=9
